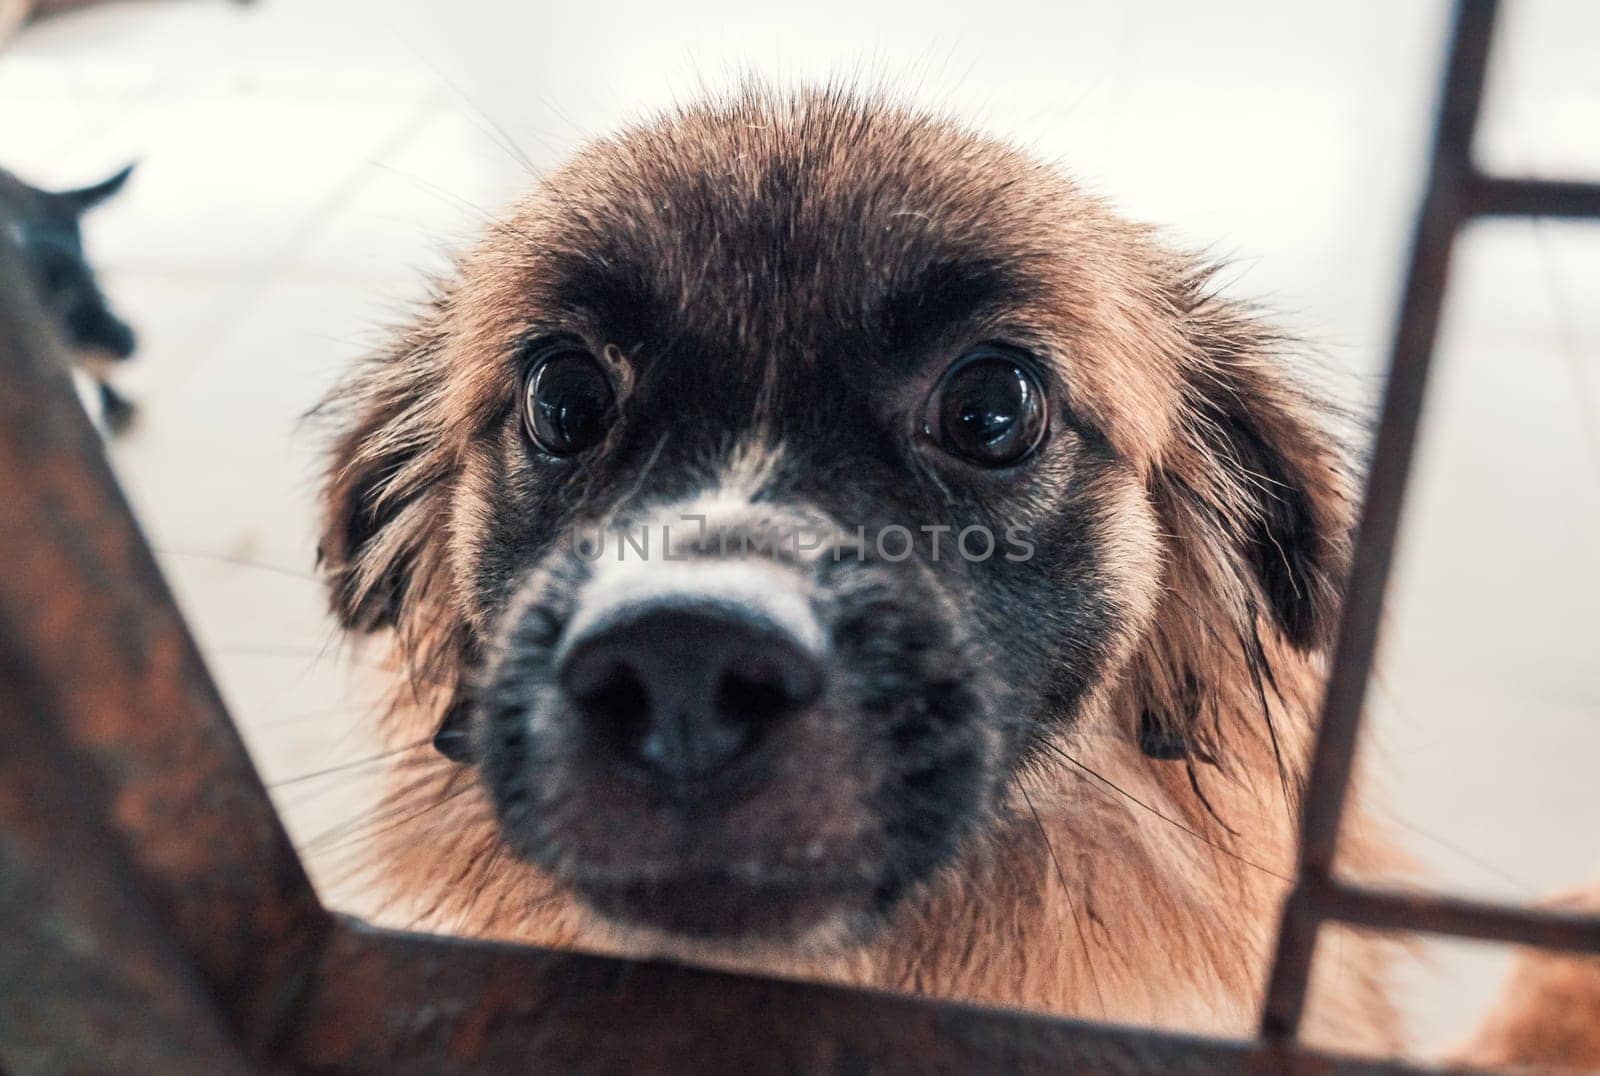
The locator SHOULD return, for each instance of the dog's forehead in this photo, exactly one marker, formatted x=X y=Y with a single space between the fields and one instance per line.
x=772 y=228
x=767 y=234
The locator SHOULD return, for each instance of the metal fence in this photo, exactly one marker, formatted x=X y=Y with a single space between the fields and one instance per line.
x=154 y=916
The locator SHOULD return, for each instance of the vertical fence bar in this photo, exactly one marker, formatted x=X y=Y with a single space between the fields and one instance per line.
x=89 y=980
x=1446 y=205
x=90 y=635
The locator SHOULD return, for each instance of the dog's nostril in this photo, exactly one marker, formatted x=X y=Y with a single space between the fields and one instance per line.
x=613 y=698
x=615 y=691
x=755 y=691
x=684 y=692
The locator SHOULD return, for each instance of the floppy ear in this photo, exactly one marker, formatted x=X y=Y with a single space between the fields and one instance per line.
x=83 y=199
x=1288 y=502
x=1262 y=468
x=385 y=484
x=1255 y=492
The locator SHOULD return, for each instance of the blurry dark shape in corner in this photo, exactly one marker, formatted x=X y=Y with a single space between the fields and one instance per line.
x=44 y=226
x=15 y=13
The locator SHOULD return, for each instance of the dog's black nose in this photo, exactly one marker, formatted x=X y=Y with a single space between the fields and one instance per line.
x=685 y=690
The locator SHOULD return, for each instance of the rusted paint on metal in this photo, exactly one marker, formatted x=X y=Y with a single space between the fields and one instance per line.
x=1495 y=196
x=1432 y=913
x=89 y=982
x=408 y=1004
x=1456 y=193
x=87 y=623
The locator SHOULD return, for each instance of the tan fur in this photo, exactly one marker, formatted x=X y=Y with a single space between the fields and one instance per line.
x=1548 y=1014
x=1118 y=894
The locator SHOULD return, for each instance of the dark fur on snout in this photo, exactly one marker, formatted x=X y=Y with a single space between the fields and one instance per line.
x=775 y=287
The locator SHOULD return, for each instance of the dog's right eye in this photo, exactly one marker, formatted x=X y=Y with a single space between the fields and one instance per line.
x=989 y=409
x=568 y=401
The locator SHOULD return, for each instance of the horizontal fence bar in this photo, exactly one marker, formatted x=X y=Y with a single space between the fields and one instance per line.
x=1455 y=916
x=1501 y=196
x=423 y=1005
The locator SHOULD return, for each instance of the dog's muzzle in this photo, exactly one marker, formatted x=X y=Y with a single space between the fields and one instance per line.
x=719 y=740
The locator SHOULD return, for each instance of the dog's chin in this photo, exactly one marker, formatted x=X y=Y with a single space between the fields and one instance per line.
x=714 y=911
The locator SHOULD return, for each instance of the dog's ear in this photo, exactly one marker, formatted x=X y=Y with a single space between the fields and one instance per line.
x=1261 y=472
x=385 y=481
x=1255 y=493
x=83 y=199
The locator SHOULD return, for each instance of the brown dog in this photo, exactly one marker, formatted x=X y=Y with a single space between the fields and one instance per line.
x=820 y=539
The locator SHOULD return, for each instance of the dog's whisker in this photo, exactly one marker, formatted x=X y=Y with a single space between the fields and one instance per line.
x=316 y=656
x=1586 y=401
x=1072 y=905
x=375 y=829
x=463 y=788
x=345 y=767
x=235 y=562
x=353 y=712
x=1467 y=856
x=1061 y=753
x=494 y=222
x=399 y=800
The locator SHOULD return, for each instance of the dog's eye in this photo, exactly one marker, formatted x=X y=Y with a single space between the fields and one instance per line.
x=568 y=401
x=989 y=409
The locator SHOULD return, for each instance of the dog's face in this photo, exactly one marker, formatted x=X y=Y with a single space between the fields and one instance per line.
x=779 y=475
x=45 y=225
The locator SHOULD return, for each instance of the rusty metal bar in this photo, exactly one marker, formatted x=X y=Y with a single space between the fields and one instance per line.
x=1497 y=196
x=1443 y=210
x=1435 y=914
x=88 y=980
x=1456 y=192
x=89 y=634
x=411 y=1005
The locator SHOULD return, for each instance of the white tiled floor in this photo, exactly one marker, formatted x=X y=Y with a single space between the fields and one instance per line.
x=302 y=162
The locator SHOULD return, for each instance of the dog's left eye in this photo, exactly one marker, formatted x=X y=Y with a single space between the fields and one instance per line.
x=568 y=401
x=989 y=409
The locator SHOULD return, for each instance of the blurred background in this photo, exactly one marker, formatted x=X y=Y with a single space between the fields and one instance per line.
x=303 y=165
